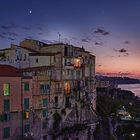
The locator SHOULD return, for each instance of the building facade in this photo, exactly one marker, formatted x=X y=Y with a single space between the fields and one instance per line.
x=10 y=103
x=56 y=80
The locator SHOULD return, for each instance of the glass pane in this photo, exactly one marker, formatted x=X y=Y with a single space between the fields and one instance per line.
x=6 y=89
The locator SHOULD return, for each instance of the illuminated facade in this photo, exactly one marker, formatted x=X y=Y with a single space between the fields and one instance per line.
x=54 y=77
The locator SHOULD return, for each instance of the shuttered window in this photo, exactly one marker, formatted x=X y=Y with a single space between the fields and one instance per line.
x=6 y=105
x=6 y=132
x=26 y=103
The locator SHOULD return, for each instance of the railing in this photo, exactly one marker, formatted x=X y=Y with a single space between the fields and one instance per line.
x=58 y=90
x=57 y=105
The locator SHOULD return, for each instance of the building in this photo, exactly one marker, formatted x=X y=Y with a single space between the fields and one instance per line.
x=10 y=103
x=57 y=79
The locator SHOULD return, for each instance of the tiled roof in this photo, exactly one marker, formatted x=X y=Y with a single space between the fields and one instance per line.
x=8 y=71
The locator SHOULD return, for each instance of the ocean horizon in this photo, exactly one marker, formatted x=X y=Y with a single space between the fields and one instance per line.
x=135 y=88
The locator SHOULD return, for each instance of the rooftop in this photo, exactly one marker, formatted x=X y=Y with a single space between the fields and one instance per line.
x=8 y=71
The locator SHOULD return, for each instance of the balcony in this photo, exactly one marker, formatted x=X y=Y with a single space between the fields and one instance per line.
x=58 y=90
x=57 y=105
x=45 y=92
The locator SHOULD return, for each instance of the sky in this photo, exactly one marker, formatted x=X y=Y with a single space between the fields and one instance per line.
x=109 y=29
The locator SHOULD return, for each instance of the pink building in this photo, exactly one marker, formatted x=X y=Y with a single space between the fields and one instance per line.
x=10 y=103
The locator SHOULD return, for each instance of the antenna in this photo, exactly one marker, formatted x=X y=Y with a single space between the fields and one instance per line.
x=59 y=36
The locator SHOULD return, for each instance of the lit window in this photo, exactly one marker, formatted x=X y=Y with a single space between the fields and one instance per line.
x=6 y=89
x=77 y=63
x=26 y=115
x=67 y=87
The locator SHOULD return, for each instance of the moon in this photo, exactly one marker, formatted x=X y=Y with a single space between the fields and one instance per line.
x=30 y=12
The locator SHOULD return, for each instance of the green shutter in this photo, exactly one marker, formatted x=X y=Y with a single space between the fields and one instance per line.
x=6 y=105
x=26 y=86
x=45 y=113
x=26 y=103
x=45 y=102
x=6 y=132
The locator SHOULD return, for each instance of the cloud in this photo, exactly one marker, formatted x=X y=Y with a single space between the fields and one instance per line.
x=12 y=34
x=98 y=43
x=8 y=26
x=10 y=38
x=120 y=50
x=101 y=31
x=9 y=33
x=85 y=40
x=2 y=36
x=126 y=42
x=124 y=73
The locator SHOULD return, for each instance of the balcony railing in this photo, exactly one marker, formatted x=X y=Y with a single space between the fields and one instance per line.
x=58 y=90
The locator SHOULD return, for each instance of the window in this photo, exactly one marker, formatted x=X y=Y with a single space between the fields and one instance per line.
x=6 y=132
x=44 y=125
x=67 y=88
x=6 y=117
x=66 y=51
x=6 y=89
x=45 y=102
x=26 y=86
x=26 y=103
x=45 y=137
x=45 y=113
x=6 y=105
x=77 y=63
x=36 y=60
x=26 y=115
x=24 y=57
x=44 y=88
x=26 y=128
x=56 y=101
x=67 y=103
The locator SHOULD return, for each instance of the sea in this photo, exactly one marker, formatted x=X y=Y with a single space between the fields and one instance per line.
x=135 y=88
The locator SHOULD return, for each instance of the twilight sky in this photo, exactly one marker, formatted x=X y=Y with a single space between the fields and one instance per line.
x=110 y=29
